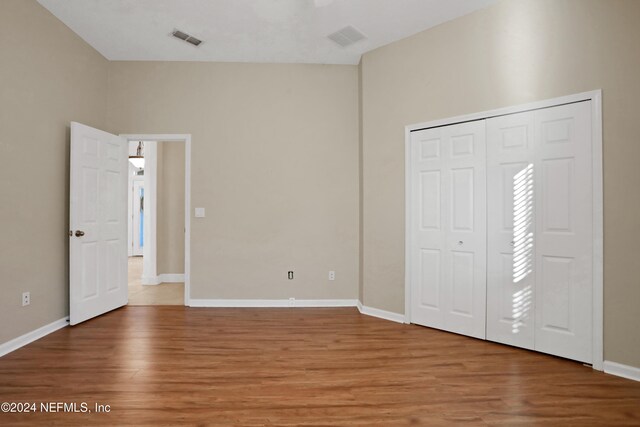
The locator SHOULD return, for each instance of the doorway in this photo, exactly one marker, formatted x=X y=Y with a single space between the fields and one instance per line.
x=158 y=263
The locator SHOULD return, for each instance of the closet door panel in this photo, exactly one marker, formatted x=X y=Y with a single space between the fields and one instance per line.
x=448 y=238
x=427 y=236
x=511 y=229
x=564 y=240
x=465 y=261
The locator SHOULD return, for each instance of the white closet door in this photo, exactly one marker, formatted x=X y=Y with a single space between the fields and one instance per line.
x=539 y=264
x=564 y=238
x=428 y=237
x=511 y=229
x=448 y=182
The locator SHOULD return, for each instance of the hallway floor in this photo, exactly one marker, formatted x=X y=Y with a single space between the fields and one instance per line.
x=162 y=294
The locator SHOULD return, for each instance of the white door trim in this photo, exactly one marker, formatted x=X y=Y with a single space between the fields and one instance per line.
x=598 y=209
x=150 y=249
x=129 y=213
x=134 y=220
x=150 y=190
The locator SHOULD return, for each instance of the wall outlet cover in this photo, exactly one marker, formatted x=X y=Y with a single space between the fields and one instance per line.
x=26 y=298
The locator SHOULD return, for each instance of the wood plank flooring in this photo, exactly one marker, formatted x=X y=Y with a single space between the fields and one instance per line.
x=299 y=367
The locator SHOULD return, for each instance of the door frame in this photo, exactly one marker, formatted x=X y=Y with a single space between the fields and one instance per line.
x=129 y=211
x=595 y=97
x=132 y=215
x=151 y=159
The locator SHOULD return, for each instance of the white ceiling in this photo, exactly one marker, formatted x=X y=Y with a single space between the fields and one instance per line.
x=277 y=31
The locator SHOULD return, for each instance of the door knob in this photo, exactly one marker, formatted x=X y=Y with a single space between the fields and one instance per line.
x=79 y=233
x=460 y=243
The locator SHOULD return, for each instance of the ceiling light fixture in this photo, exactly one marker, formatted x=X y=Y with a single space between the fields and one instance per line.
x=186 y=37
x=138 y=159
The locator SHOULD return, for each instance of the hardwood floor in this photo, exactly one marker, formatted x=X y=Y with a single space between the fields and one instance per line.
x=299 y=367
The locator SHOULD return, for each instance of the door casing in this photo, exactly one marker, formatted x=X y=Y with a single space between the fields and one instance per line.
x=150 y=250
x=134 y=201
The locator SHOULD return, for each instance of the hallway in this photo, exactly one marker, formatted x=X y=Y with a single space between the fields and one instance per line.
x=162 y=294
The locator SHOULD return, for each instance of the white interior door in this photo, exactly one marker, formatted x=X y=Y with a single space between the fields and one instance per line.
x=137 y=201
x=511 y=229
x=448 y=238
x=98 y=223
x=564 y=238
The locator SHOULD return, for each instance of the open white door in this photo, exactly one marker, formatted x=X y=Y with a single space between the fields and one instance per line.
x=98 y=223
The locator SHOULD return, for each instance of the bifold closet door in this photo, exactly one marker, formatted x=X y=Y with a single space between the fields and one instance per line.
x=448 y=229
x=540 y=237
x=511 y=229
x=564 y=247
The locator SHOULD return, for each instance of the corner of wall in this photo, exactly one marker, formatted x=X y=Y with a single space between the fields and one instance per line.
x=360 y=193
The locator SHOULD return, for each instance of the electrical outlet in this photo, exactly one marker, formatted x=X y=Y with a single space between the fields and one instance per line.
x=292 y=302
x=332 y=275
x=26 y=298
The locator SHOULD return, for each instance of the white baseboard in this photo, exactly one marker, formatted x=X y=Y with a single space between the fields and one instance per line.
x=162 y=278
x=171 y=278
x=382 y=314
x=150 y=280
x=32 y=336
x=273 y=303
x=257 y=303
x=620 y=370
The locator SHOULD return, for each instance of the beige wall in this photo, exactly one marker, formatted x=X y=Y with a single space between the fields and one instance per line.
x=170 y=208
x=514 y=52
x=274 y=162
x=48 y=77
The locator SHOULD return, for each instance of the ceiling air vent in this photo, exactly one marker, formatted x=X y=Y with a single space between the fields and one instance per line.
x=346 y=36
x=186 y=37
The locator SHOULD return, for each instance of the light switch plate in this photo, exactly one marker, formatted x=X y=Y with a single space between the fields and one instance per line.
x=199 y=212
